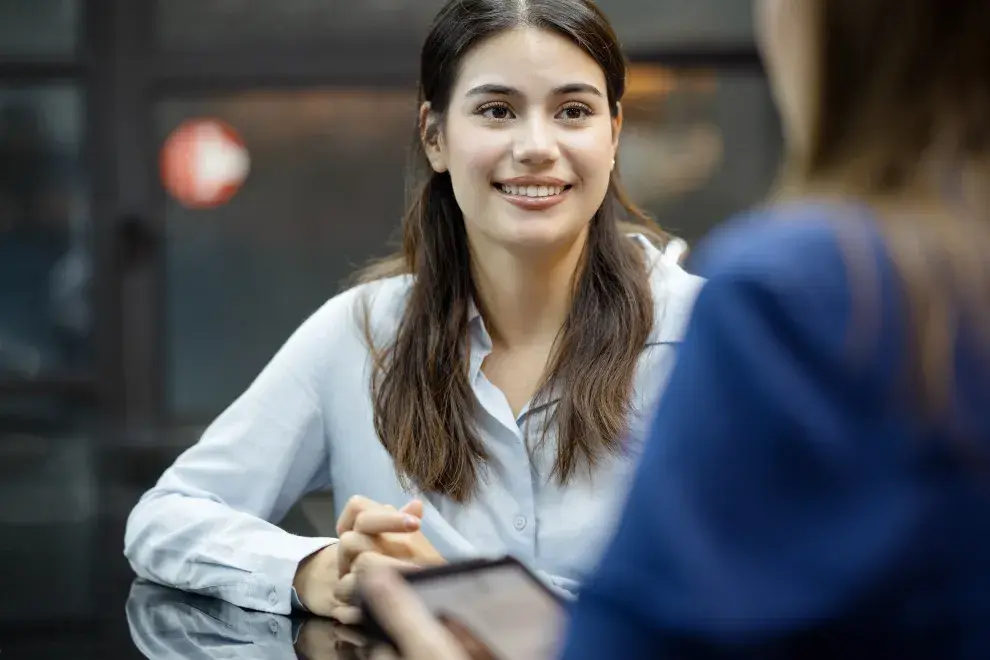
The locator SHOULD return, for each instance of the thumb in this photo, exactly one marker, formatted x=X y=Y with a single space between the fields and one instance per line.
x=406 y=619
x=414 y=508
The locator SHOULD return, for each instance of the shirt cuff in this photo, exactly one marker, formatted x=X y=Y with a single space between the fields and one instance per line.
x=276 y=567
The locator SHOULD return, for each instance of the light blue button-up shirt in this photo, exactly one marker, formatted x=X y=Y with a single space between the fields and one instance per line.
x=306 y=424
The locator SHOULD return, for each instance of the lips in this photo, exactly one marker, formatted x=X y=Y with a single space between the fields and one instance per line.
x=533 y=195
x=533 y=191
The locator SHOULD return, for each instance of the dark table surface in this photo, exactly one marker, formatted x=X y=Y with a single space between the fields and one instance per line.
x=107 y=613
x=67 y=590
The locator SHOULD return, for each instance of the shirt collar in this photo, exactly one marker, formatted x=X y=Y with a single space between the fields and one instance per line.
x=673 y=291
x=661 y=271
x=667 y=279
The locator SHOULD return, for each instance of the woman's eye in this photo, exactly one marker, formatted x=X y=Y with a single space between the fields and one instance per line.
x=497 y=112
x=575 y=112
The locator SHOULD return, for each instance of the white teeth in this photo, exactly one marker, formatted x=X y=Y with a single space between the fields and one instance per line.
x=531 y=191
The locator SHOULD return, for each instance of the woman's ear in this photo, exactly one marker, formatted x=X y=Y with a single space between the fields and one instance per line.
x=432 y=138
x=616 y=131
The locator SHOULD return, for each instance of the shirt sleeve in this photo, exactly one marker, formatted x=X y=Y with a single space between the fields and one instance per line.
x=208 y=525
x=759 y=505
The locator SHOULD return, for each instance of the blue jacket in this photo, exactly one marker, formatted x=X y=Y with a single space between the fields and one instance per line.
x=792 y=501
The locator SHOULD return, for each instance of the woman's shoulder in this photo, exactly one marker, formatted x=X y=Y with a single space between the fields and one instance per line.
x=674 y=291
x=377 y=306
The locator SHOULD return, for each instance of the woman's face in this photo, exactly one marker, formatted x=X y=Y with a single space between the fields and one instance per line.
x=528 y=141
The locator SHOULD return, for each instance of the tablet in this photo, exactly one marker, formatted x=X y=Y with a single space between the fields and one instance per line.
x=500 y=603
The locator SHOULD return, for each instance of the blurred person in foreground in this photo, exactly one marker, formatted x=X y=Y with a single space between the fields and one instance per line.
x=495 y=372
x=816 y=482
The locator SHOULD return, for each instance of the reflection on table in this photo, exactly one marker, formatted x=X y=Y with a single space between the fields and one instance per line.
x=166 y=624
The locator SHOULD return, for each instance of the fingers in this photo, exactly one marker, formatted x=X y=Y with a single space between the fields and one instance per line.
x=346 y=614
x=351 y=545
x=359 y=504
x=406 y=620
x=414 y=508
x=354 y=506
x=346 y=587
x=374 y=561
x=381 y=521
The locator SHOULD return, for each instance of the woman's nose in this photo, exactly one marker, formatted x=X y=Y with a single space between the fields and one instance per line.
x=535 y=143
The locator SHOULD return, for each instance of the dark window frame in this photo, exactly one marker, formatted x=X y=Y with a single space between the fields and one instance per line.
x=74 y=69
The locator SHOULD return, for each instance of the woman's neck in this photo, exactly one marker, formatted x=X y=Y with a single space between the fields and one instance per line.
x=525 y=297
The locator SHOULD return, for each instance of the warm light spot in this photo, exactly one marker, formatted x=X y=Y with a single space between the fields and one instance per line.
x=648 y=81
x=204 y=163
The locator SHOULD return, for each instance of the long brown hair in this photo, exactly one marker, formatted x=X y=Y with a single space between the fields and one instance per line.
x=903 y=100
x=423 y=401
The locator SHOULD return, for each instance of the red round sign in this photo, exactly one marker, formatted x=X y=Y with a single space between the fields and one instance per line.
x=204 y=162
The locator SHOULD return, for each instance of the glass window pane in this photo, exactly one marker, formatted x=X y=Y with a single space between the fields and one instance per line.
x=44 y=257
x=698 y=146
x=191 y=25
x=38 y=27
x=198 y=25
x=642 y=24
x=324 y=194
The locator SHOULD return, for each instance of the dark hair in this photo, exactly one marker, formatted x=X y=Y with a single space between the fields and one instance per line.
x=902 y=87
x=423 y=402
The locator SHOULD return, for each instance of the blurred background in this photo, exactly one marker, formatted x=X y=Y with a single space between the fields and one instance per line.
x=182 y=182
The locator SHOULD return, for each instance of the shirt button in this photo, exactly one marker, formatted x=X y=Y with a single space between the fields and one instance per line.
x=519 y=523
x=272 y=597
x=273 y=626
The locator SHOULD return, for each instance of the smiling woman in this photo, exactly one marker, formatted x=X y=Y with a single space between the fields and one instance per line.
x=529 y=110
x=496 y=370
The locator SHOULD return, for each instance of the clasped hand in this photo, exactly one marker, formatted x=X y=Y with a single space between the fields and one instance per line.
x=376 y=535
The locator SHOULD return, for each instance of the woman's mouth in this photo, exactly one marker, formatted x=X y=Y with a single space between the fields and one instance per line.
x=535 y=192
x=533 y=198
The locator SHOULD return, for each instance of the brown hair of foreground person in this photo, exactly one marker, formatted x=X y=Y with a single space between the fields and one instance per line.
x=899 y=111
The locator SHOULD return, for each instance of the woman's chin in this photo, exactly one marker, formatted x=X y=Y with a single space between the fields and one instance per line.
x=541 y=236
x=541 y=246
